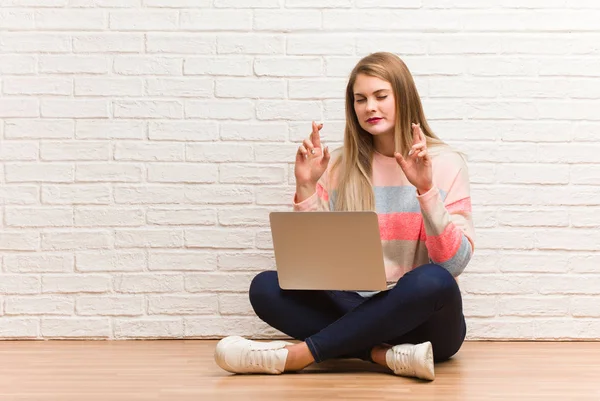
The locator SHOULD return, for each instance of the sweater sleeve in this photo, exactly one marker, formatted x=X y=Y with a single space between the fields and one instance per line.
x=448 y=223
x=317 y=202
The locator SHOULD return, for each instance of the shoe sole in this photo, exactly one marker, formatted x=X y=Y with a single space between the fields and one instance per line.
x=220 y=352
x=222 y=346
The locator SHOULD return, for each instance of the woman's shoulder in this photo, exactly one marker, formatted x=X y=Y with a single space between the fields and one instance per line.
x=447 y=156
x=447 y=160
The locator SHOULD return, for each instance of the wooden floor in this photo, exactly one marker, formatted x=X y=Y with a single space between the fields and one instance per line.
x=184 y=370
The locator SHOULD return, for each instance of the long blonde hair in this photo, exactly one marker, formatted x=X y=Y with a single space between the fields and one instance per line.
x=354 y=165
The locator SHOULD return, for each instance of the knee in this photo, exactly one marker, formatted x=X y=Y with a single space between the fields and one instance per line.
x=261 y=286
x=435 y=279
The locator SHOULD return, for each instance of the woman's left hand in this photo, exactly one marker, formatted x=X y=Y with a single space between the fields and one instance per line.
x=417 y=166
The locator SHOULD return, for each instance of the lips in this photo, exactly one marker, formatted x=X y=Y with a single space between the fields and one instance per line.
x=374 y=119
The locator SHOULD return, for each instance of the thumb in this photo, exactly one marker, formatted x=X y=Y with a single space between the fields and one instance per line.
x=326 y=157
x=400 y=160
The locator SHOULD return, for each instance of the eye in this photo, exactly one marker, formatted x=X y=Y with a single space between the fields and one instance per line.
x=360 y=100
x=381 y=97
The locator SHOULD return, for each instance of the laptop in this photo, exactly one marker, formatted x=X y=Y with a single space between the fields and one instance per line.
x=328 y=251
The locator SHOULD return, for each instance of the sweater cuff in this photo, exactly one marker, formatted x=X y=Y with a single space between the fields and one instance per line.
x=307 y=204
x=429 y=199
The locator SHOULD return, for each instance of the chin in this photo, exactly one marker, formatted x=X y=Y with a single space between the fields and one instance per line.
x=379 y=131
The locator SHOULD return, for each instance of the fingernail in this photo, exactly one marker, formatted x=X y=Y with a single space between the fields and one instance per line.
x=312 y=151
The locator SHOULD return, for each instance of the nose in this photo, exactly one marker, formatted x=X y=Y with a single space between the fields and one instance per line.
x=371 y=104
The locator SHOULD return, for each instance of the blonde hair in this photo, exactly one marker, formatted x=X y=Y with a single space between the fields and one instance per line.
x=354 y=168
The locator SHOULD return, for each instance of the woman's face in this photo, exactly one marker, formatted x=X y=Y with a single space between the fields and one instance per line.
x=374 y=105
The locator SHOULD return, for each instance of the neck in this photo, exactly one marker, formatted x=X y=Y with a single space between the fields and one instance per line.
x=384 y=144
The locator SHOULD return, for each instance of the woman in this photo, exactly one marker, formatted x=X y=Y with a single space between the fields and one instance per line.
x=392 y=163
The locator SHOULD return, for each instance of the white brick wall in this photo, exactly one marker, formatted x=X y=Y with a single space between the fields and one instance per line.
x=143 y=143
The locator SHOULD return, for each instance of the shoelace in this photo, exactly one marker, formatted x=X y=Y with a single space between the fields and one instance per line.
x=260 y=358
x=403 y=360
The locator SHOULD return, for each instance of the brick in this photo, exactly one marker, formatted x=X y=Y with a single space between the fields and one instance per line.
x=108 y=42
x=78 y=108
x=221 y=326
x=219 y=194
x=149 y=194
x=39 y=305
x=39 y=263
x=182 y=173
x=235 y=304
x=112 y=172
x=37 y=86
x=146 y=151
x=19 y=108
x=181 y=44
x=19 y=195
x=245 y=216
x=251 y=174
x=76 y=328
x=179 y=87
x=147 y=65
x=148 y=283
x=320 y=45
x=72 y=240
x=19 y=284
x=76 y=194
x=250 y=43
x=39 y=129
x=244 y=261
x=74 y=64
x=108 y=87
x=275 y=195
x=109 y=217
x=148 y=109
x=138 y=20
x=250 y=88
x=183 y=131
x=70 y=20
x=183 y=304
x=16 y=19
x=144 y=238
x=288 y=66
x=234 y=282
x=19 y=151
x=111 y=261
x=182 y=261
x=19 y=328
x=287 y=21
x=32 y=42
x=102 y=305
x=38 y=217
x=47 y=172
x=216 y=20
x=218 y=238
x=18 y=64
x=219 y=152
x=19 y=241
x=272 y=131
x=534 y=306
x=155 y=327
x=76 y=151
x=220 y=66
x=182 y=217
x=102 y=129
x=220 y=109
x=288 y=110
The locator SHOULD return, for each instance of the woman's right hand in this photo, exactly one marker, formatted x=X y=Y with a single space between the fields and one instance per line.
x=311 y=161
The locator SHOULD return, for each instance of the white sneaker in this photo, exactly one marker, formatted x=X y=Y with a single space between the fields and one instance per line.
x=239 y=355
x=411 y=360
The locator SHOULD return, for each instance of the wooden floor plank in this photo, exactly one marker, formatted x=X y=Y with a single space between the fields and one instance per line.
x=185 y=370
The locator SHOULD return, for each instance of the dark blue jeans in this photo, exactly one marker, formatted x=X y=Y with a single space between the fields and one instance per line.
x=425 y=305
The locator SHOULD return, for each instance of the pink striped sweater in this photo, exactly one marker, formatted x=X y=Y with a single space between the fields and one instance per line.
x=415 y=229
